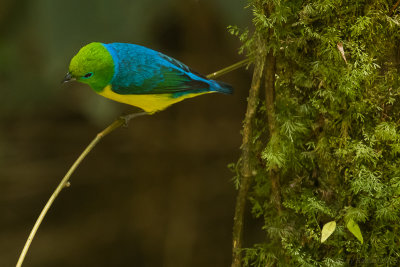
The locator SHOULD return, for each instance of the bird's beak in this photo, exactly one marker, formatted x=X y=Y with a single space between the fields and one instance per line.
x=68 y=78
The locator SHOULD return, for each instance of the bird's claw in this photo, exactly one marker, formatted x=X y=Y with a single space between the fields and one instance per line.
x=127 y=118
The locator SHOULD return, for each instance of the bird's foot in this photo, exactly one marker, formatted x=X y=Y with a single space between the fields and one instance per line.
x=128 y=117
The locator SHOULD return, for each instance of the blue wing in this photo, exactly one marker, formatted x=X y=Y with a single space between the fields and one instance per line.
x=140 y=70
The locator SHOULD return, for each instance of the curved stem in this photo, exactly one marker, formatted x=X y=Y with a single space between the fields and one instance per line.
x=64 y=182
x=124 y=120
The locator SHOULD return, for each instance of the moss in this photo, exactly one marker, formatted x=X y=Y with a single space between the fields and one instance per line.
x=335 y=148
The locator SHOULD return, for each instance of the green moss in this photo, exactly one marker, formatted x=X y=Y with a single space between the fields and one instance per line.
x=336 y=149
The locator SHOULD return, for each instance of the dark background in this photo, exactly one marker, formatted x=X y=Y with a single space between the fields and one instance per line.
x=157 y=193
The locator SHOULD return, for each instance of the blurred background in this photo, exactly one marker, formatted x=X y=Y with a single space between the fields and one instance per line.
x=157 y=193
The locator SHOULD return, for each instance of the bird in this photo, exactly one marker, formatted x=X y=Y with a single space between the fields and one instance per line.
x=139 y=76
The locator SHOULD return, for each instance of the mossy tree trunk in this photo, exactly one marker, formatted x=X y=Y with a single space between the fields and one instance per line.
x=247 y=170
x=323 y=148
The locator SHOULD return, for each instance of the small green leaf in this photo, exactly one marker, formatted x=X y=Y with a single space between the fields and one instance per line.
x=355 y=230
x=327 y=230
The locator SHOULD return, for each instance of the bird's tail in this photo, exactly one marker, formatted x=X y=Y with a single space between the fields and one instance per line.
x=221 y=87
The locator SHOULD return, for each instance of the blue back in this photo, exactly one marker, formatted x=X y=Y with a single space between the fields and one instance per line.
x=140 y=70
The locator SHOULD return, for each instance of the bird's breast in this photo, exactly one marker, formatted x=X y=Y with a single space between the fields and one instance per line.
x=148 y=102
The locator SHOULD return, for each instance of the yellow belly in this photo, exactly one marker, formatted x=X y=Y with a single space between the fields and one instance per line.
x=149 y=103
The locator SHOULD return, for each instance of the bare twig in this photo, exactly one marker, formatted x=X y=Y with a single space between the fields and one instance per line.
x=230 y=68
x=246 y=168
x=65 y=181
x=394 y=8
x=124 y=120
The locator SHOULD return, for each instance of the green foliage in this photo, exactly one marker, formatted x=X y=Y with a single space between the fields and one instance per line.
x=337 y=147
x=327 y=230
x=355 y=230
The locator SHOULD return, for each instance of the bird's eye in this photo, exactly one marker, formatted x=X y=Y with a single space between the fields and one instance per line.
x=88 y=75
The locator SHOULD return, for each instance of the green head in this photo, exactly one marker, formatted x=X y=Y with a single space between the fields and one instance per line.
x=92 y=65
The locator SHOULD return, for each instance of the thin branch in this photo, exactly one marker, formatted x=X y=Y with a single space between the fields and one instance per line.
x=124 y=120
x=246 y=168
x=230 y=68
x=64 y=182
x=394 y=8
